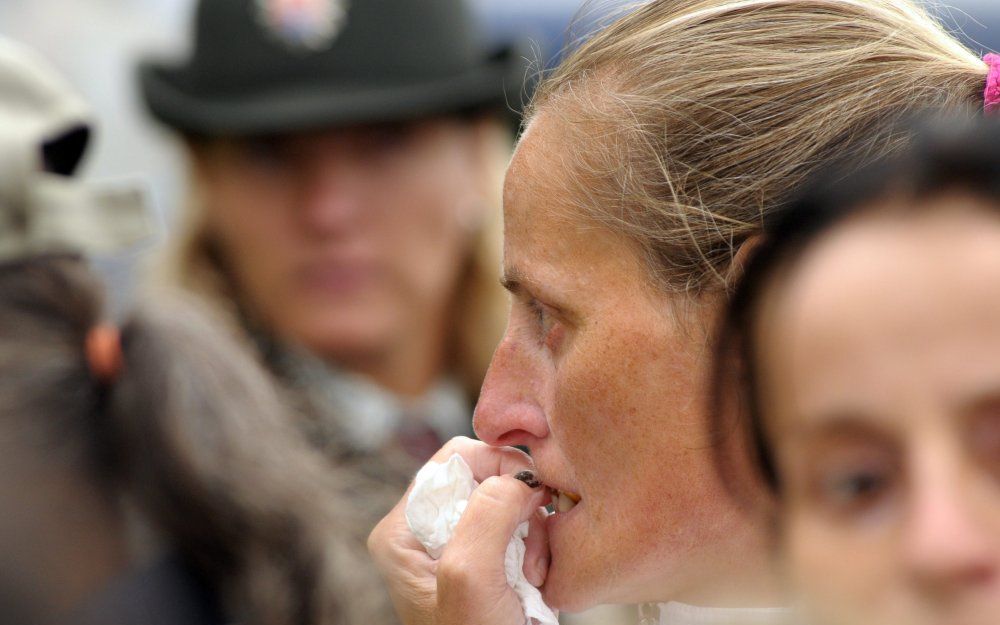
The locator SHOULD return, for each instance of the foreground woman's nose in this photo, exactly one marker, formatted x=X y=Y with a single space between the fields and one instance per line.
x=509 y=411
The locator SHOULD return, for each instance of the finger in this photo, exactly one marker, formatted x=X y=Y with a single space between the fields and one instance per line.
x=392 y=540
x=392 y=544
x=479 y=543
x=536 y=549
x=484 y=460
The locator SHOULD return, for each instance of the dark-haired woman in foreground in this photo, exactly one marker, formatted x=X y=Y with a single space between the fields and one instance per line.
x=865 y=340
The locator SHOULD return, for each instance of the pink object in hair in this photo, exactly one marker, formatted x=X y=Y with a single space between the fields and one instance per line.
x=991 y=97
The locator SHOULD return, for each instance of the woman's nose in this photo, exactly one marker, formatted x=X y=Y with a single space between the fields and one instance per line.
x=948 y=548
x=330 y=197
x=510 y=410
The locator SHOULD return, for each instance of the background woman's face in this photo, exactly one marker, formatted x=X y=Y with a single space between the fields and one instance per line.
x=880 y=371
x=602 y=381
x=350 y=240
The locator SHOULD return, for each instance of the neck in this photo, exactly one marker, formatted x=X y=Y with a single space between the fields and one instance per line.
x=412 y=364
x=743 y=575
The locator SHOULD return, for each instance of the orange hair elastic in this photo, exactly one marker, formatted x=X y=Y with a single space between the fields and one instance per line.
x=104 y=352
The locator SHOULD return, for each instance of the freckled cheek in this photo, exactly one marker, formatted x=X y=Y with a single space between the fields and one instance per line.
x=603 y=420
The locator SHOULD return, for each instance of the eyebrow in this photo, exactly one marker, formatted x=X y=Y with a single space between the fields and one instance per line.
x=513 y=280
x=839 y=423
x=985 y=399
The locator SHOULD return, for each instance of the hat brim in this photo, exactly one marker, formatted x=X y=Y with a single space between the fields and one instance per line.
x=499 y=83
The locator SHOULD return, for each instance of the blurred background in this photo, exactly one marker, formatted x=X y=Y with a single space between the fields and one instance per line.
x=97 y=44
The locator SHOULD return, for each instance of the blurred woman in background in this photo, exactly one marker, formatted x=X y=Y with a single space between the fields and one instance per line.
x=346 y=162
x=864 y=343
x=650 y=157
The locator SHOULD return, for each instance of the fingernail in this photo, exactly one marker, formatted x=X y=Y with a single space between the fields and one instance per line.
x=528 y=477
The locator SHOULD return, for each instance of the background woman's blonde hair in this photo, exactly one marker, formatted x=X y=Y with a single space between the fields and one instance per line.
x=702 y=115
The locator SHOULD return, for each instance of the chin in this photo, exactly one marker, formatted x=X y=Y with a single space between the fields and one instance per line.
x=341 y=337
x=567 y=600
x=567 y=593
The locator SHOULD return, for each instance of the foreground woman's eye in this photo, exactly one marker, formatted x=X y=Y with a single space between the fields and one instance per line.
x=547 y=329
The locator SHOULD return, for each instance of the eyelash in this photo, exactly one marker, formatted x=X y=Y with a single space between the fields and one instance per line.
x=855 y=489
x=543 y=323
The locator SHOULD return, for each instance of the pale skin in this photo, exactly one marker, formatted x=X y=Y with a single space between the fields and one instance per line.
x=601 y=377
x=349 y=242
x=884 y=415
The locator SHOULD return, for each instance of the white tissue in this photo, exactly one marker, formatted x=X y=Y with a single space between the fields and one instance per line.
x=439 y=497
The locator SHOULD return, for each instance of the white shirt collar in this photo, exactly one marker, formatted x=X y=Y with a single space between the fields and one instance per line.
x=675 y=613
x=369 y=414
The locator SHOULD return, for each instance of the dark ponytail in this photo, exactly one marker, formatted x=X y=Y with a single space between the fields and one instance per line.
x=192 y=432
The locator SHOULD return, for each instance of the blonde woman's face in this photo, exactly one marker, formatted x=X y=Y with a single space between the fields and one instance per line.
x=880 y=362
x=598 y=377
x=349 y=242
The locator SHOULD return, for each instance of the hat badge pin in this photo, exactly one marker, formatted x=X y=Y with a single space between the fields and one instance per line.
x=303 y=25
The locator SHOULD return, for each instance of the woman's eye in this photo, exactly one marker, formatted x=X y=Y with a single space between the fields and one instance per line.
x=983 y=440
x=266 y=154
x=854 y=491
x=384 y=141
x=547 y=329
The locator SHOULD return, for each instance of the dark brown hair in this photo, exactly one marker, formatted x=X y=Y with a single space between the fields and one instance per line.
x=191 y=432
x=946 y=157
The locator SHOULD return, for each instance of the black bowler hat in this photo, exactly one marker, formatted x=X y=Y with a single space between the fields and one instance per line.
x=271 y=66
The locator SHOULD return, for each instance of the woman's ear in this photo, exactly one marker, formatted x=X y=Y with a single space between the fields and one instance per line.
x=741 y=256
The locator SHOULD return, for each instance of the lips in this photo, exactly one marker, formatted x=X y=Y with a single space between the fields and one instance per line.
x=337 y=277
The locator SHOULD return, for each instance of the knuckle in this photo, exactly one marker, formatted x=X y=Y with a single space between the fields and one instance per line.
x=452 y=571
x=498 y=489
x=461 y=442
x=457 y=445
x=374 y=541
x=517 y=455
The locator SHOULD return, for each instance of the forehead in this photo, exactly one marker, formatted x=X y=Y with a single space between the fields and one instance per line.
x=547 y=233
x=889 y=309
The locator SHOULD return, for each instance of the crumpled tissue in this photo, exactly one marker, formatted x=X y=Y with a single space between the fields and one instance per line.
x=439 y=497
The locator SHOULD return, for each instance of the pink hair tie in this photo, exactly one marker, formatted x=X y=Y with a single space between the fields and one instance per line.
x=991 y=97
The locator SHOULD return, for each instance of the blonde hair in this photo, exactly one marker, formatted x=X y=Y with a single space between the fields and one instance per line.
x=702 y=115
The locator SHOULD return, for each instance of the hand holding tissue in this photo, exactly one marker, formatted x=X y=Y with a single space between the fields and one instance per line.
x=440 y=495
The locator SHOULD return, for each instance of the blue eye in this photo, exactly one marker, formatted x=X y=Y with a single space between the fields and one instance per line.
x=854 y=491
x=539 y=311
x=545 y=327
